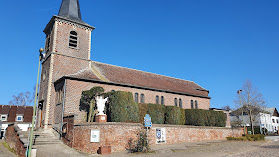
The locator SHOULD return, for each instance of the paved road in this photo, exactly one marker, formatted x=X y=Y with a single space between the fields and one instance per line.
x=270 y=147
x=4 y=152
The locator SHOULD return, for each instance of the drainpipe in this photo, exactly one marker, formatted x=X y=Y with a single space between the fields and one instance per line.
x=63 y=104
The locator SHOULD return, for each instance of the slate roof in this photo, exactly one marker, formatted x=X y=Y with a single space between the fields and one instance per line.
x=13 y=111
x=130 y=77
x=70 y=9
x=272 y=111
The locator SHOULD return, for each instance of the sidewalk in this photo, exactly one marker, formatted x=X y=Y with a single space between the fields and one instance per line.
x=4 y=152
x=190 y=149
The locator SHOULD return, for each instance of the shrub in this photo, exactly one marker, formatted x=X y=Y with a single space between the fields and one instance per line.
x=174 y=115
x=200 y=117
x=87 y=102
x=140 y=145
x=143 y=108
x=121 y=107
x=157 y=113
x=257 y=137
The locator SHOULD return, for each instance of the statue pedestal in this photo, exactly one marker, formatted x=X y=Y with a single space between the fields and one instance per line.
x=101 y=118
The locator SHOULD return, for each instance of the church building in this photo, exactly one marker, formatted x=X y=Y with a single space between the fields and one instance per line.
x=67 y=71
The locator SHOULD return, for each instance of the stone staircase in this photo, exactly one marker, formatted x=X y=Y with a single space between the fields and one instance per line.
x=39 y=138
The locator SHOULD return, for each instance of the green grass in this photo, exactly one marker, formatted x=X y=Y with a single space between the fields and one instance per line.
x=8 y=147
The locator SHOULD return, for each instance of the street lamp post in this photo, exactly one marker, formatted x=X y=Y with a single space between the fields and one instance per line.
x=35 y=103
x=239 y=93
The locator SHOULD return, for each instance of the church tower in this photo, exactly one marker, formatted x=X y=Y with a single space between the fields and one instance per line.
x=67 y=49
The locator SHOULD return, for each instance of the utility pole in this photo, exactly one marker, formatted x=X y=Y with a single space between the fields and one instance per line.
x=239 y=93
x=41 y=56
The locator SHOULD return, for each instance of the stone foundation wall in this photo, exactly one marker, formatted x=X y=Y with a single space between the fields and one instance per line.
x=117 y=135
x=12 y=138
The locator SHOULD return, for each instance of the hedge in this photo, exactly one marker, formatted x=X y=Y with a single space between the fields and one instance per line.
x=256 y=137
x=121 y=107
x=156 y=112
x=200 y=117
x=174 y=115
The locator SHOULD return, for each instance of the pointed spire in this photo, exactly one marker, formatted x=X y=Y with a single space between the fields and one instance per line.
x=70 y=9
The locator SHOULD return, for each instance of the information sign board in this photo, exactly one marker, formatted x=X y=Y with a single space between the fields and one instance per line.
x=95 y=136
x=160 y=135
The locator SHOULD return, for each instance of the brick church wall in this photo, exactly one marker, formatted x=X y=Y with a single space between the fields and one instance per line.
x=74 y=89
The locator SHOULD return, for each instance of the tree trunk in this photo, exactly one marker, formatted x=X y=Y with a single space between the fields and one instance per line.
x=90 y=111
x=251 y=121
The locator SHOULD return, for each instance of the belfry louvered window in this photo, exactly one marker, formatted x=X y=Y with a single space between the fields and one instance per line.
x=73 y=39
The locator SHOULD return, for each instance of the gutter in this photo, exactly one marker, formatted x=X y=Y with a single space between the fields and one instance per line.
x=63 y=104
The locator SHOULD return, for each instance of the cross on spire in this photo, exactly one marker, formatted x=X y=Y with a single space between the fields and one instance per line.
x=70 y=9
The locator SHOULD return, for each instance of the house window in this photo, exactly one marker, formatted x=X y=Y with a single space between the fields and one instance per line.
x=4 y=118
x=142 y=98
x=162 y=100
x=180 y=102
x=73 y=39
x=277 y=120
x=157 y=99
x=19 y=118
x=137 y=97
x=196 y=104
x=273 y=121
x=175 y=102
x=192 y=104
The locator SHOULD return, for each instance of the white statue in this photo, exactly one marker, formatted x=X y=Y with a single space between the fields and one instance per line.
x=101 y=104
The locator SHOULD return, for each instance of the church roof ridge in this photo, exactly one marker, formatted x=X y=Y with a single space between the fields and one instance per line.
x=150 y=73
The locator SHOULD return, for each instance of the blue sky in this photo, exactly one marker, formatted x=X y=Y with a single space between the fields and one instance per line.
x=218 y=43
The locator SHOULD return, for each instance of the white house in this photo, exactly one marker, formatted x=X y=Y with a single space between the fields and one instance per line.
x=21 y=115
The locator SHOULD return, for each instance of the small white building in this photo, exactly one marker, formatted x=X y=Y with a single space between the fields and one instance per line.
x=21 y=115
x=270 y=119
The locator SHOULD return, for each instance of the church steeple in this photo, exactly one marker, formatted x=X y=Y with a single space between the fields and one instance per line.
x=70 y=9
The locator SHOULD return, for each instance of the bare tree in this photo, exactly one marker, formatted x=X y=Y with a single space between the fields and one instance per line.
x=251 y=101
x=23 y=99
x=227 y=107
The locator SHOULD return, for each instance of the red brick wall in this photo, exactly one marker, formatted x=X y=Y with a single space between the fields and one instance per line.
x=74 y=89
x=12 y=138
x=68 y=137
x=117 y=135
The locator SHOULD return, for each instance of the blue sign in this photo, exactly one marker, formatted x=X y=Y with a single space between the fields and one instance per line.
x=147 y=121
x=158 y=133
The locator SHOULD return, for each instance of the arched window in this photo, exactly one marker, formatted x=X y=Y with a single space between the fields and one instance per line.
x=175 y=102
x=142 y=98
x=157 y=99
x=192 y=104
x=162 y=100
x=73 y=39
x=196 y=104
x=180 y=102
x=137 y=97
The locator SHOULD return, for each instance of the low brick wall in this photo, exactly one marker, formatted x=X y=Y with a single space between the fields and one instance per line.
x=117 y=135
x=12 y=138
